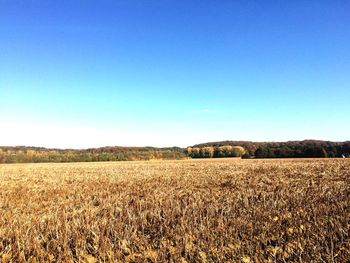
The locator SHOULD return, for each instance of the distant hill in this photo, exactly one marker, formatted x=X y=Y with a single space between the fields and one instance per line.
x=289 y=149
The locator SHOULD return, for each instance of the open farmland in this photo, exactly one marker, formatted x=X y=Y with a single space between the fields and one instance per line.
x=223 y=210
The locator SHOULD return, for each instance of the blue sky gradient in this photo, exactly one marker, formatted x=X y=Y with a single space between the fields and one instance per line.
x=149 y=72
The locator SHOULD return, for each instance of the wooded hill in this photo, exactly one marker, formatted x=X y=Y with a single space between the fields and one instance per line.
x=244 y=149
x=290 y=149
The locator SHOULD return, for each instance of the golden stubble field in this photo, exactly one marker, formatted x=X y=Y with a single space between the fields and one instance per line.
x=223 y=210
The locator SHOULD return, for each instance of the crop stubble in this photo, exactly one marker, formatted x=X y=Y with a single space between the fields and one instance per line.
x=194 y=210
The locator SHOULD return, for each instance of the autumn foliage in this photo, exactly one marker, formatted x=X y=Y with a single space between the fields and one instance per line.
x=215 y=152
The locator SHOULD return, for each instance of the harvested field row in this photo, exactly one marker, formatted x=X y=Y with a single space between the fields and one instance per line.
x=224 y=210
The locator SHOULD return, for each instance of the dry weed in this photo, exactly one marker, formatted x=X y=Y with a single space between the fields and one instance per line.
x=222 y=210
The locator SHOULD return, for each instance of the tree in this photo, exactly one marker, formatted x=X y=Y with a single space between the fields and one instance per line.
x=195 y=152
x=246 y=155
x=207 y=152
x=237 y=151
x=189 y=151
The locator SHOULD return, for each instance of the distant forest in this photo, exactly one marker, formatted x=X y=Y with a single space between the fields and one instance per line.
x=243 y=149
x=22 y=154
x=290 y=149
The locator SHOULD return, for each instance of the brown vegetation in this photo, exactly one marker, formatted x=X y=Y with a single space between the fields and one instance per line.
x=217 y=210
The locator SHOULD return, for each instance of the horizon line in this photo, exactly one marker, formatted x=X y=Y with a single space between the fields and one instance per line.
x=174 y=146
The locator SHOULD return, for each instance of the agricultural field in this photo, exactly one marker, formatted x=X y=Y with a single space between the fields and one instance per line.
x=213 y=210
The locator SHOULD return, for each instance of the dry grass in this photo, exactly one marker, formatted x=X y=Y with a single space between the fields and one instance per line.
x=194 y=211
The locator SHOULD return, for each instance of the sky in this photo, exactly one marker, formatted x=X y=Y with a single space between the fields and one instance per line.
x=80 y=74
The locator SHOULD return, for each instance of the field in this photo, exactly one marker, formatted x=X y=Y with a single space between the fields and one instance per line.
x=223 y=210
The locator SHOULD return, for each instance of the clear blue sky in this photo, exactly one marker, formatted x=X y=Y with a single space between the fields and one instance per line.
x=173 y=72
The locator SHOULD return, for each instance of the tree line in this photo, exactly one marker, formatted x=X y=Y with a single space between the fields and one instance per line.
x=290 y=149
x=308 y=150
x=22 y=154
x=215 y=151
x=244 y=149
